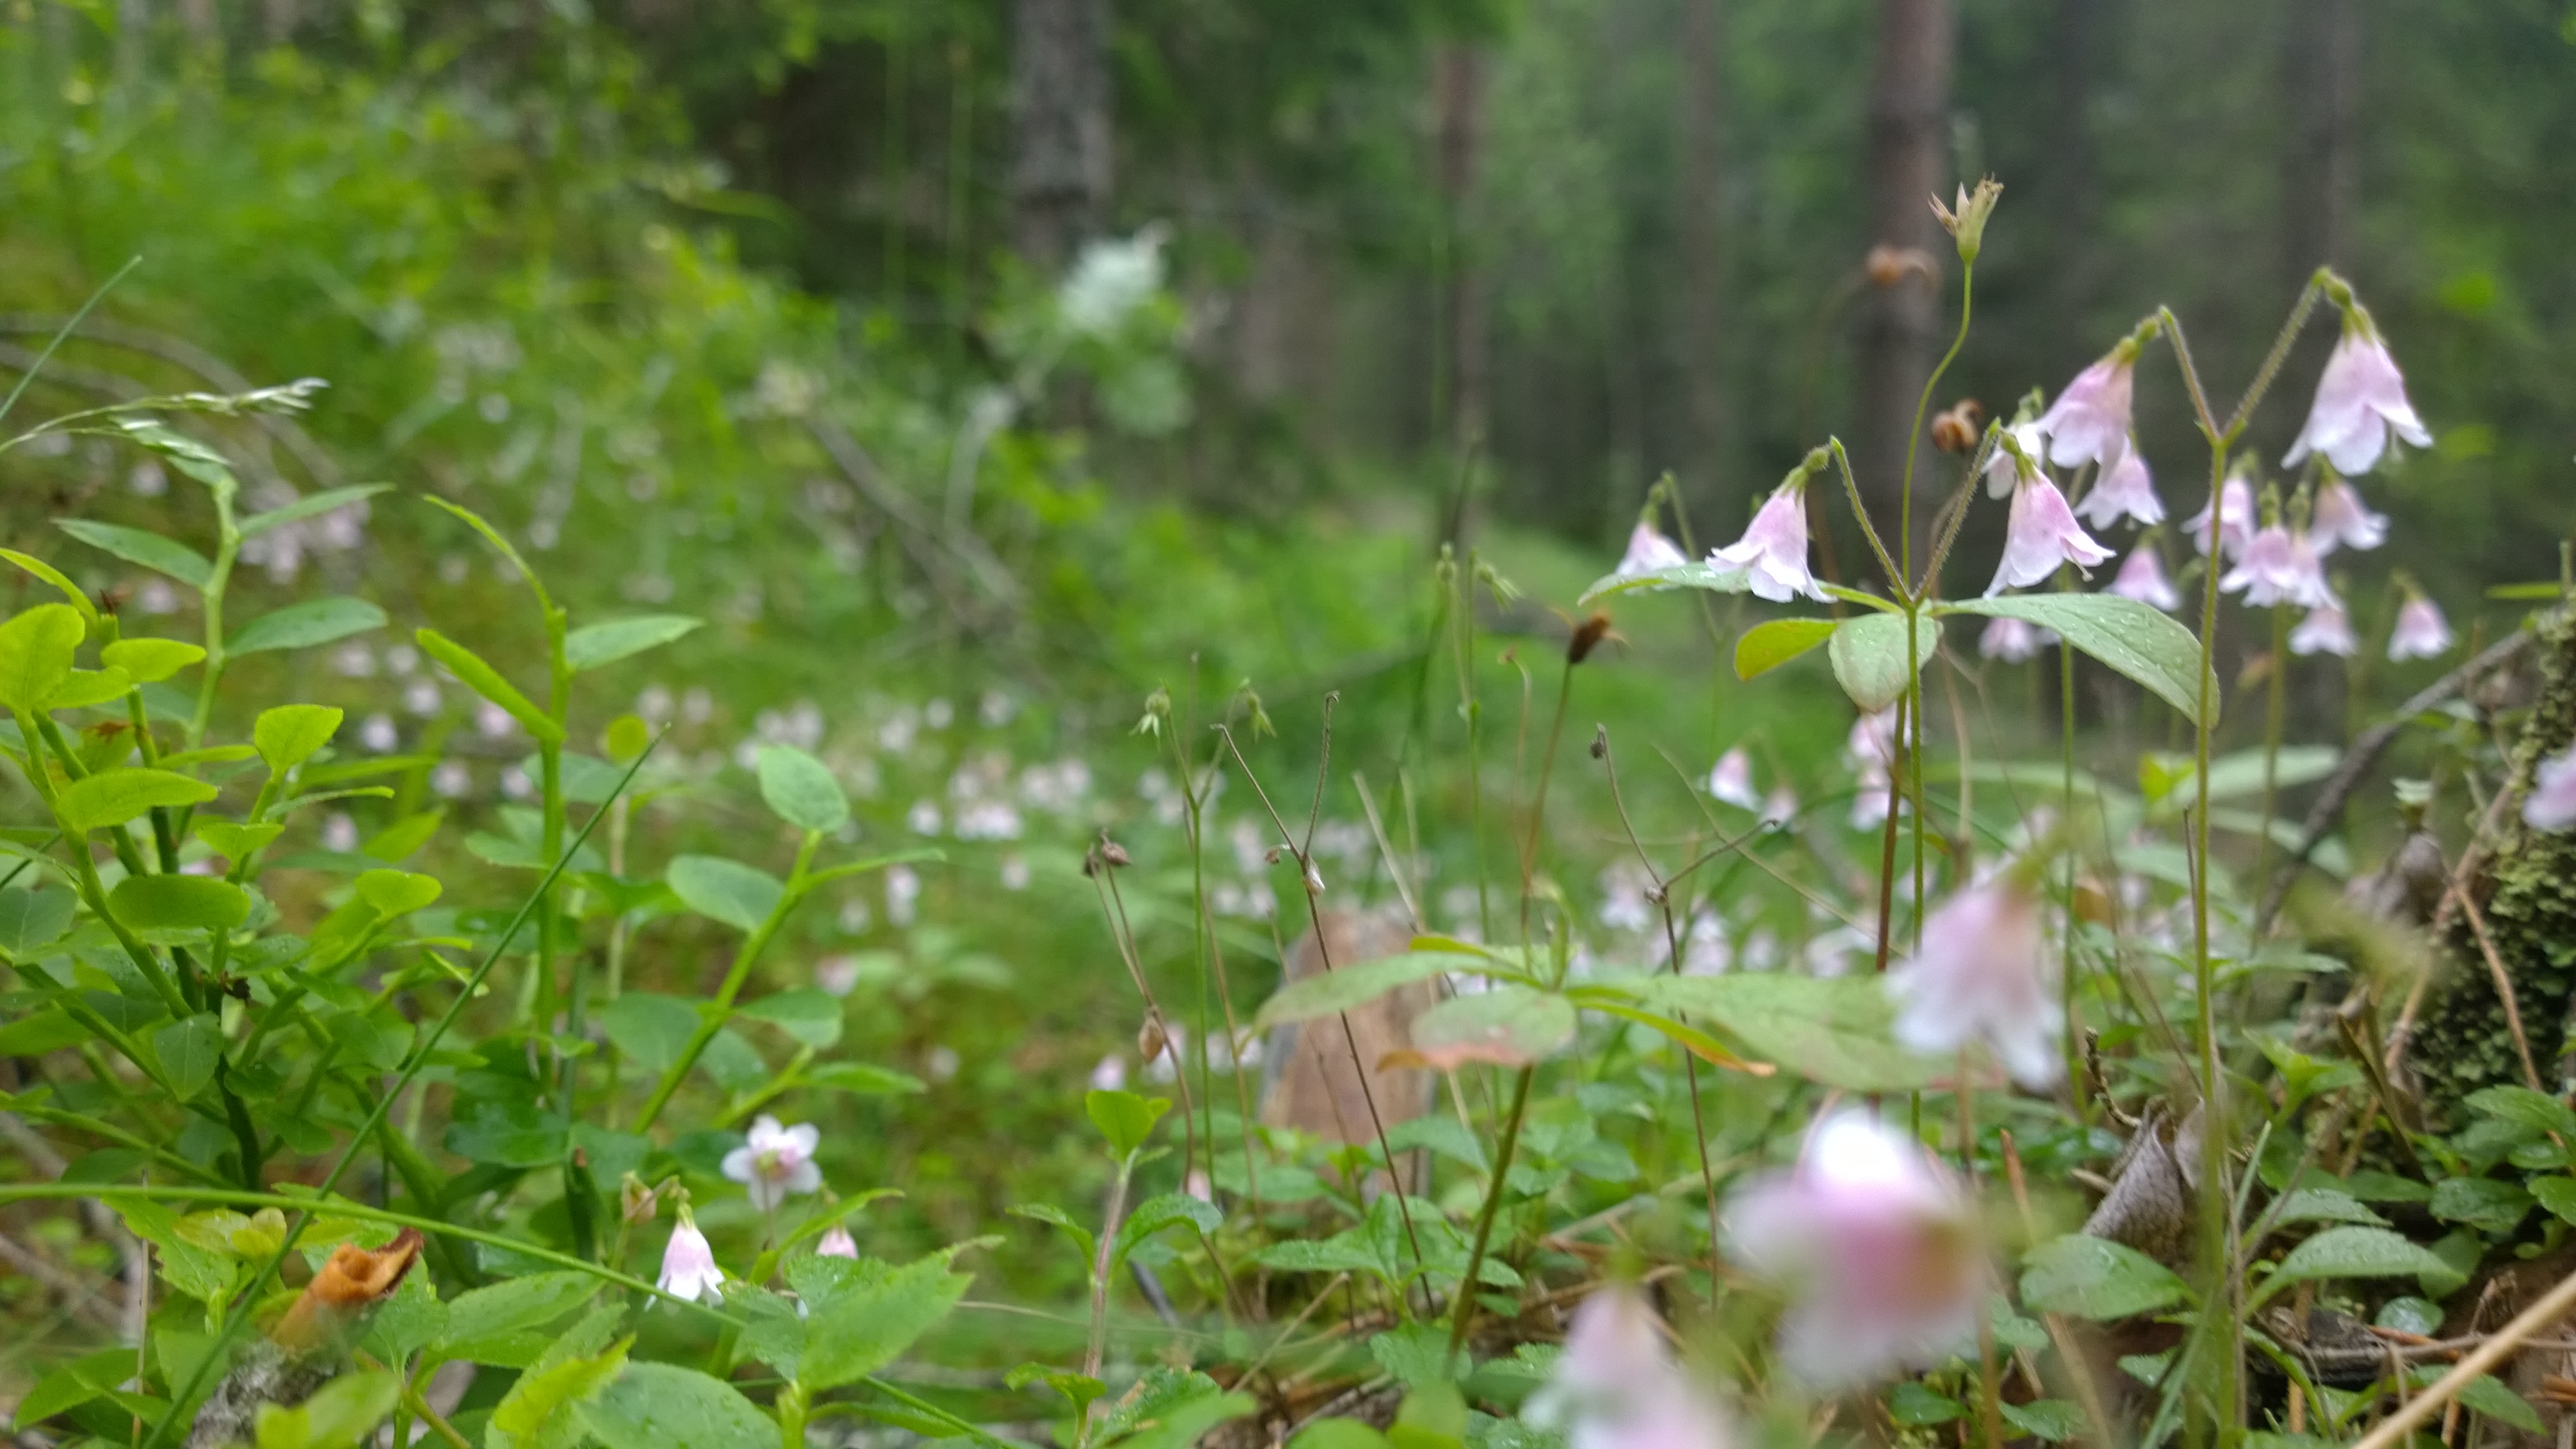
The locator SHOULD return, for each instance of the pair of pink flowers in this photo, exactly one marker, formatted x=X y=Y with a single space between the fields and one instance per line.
x=2090 y=422
x=2040 y=533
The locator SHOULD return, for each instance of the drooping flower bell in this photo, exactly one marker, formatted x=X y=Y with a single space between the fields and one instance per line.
x=1732 y=780
x=2003 y=470
x=689 y=1263
x=837 y=1243
x=2142 y=577
x=1773 y=550
x=1877 y=1248
x=1871 y=751
x=2125 y=490
x=2235 y=519
x=2421 y=632
x=2014 y=641
x=2343 y=521
x=1648 y=552
x=2279 y=567
x=776 y=1161
x=2041 y=535
x=2360 y=403
x=2325 y=630
x=1983 y=975
x=2552 y=802
x=2089 y=422
x=1616 y=1385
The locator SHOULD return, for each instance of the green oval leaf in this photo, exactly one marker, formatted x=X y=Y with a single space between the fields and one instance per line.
x=151 y=550
x=664 y=1406
x=149 y=661
x=85 y=687
x=189 y=1051
x=486 y=681
x=301 y=626
x=310 y=506
x=724 y=890
x=1715 y=578
x=112 y=797
x=36 y=650
x=179 y=903
x=2134 y=639
x=1869 y=656
x=70 y=591
x=2357 y=1252
x=593 y=645
x=801 y=791
x=1125 y=1120
x=1509 y=1026
x=29 y=919
x=396 y=892
x=288 y=735
x=1837 y=1030
x=1766 y=647
x=2095 y=1278
x=1343 y=988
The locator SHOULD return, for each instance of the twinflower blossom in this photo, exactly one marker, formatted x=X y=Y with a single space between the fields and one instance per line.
x=2325 y=630
x=2235 y=519
x=1983 y=975
x=1773 y=551
x=1780 y=806
x=2552 y=803
x=2142 y=577
x=1732 y=781
x=2279 y=567
x=689 y=1264
x=837 y=1243
x=2125 y=490
x=2361 y=401
x=2089 y=422
x=2421 y=632
x=776 y=1161
x=1616 y=1385
x=2040 y=535
x=1648 y=552
x=2003 y=469
x=2013 y=640
x=1877 y=1247
x=2343 y=521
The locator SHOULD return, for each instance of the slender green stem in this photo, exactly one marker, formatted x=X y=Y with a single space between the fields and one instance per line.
x=2066 y=811
x=1869 y=530
x=68 y=328
x=1103 y=1252
x=1989 y=1380
x=1914 y=434
x=2275 y=708
x=1464 y=1314
x=735 y=976
x=1538 y=798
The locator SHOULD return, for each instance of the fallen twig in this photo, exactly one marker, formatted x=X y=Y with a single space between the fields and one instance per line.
x=2552 y=1307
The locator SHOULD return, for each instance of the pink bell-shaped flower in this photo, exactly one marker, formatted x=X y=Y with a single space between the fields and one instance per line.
x=2342 y=520
x=1877 y=1248
x=1983 y=975
x=2125 y=490
x=776 y=1161
x=2003 y=470
x=1732 y=780
x=2421 y=632
x=1648 y=552
x=2552 y=802
x=2279 y=567
x=2142 y=577
x=1616 y=1385
x=2325 y=630
x=837 y=1243
x=2235 y=519
x=2089 y=422
x=2361 y=401
x=2014 y=641
x=1773 y=551
x=689 y=1264
x=2040 y=535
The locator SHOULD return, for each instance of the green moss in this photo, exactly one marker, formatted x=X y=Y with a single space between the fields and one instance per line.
x=2462 y=1043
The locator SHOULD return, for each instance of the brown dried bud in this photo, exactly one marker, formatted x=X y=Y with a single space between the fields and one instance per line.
x=639 y=1203
x=354 y=1280
x=1889 y=265
x=1600 y=742
x=1151 y=1038
x=1587 y=636
x=1957 y=430
x=1112 y=852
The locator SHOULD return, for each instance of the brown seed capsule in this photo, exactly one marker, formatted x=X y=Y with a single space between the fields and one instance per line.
x=1957 y=430
x=1151 y=1038
x=1889 y=265
x=1112 y=852
x=1587 y=636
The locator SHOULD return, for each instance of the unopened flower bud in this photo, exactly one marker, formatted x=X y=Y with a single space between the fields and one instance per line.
x=1314 y=878
x=1600 y=742
x=1151 y=1038
x=1957 y=430
x=1967 y=223
x=639 y=1203
x=1158 y=708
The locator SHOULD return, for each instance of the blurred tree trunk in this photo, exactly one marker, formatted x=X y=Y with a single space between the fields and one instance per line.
x=1703 y=36
x=1457 y=88
x=1060 y=132
x=2073 y=183
x=2322 y=74
x=1909 y=107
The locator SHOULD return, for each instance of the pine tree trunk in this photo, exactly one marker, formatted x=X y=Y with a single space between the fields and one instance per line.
x=1703 y=32
x=1060 y=126
x=1908 y=114
x=1458 y=86
x=2322 y=74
